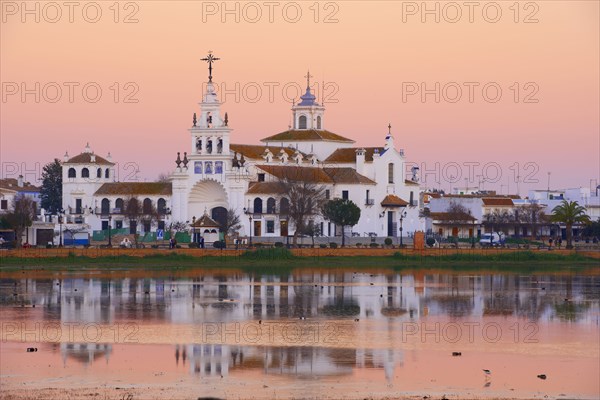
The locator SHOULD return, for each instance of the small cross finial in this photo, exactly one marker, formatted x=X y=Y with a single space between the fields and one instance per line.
x=210 y=59
x=390 y=129
x=308 y=76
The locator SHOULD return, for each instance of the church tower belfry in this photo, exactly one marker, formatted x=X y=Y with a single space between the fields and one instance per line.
x=210 y=132
x=308 y=114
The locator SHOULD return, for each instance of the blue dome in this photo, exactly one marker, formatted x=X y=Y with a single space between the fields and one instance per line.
x=308 y=99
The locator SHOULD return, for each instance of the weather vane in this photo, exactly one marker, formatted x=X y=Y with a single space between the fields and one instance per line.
x=210 y=59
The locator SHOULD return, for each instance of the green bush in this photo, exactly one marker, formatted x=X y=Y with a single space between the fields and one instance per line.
x=219 y=244
x=358 y=244
x=373 y=245
x=387 y=241
x=278 y=244
x=323 y=246
x=333 y=245
x=270 y=254
x=430 y=241
x=193 y=245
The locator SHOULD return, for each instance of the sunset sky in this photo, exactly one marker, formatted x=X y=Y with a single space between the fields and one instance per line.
x=369 y=53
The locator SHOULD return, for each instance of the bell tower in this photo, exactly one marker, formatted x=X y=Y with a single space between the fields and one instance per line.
x=308 y=114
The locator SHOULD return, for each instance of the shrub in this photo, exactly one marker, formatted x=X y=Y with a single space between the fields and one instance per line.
x=154 y=246
x=269 y=254
x=333 y=245
x=193 y=245
x=323 y=246
x=387 y=241
x=278 y=244
x=177 y=246
x=258 y=245
x=373 y=245
x=219 y=244
x=358 y=244
x=430 y=241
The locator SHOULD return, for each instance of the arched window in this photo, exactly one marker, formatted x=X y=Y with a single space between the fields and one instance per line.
x=85 y=173
x=319 y=122
x=147 y=206
x=161 y=205
x=270 y=205
x=119 y=204
x=99 y=173
x=391 y=173
x=105 y=206
x=258 y=205
x=107 y=173
x=284 y=206
x=72 y=173
x=302 y=122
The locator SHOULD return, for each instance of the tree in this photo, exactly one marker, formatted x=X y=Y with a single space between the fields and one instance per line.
x=136 y=211
x=164 y=177
x=312 y=229
x=232 y=223
x=532 y=215
x=569 y=213
x=342 y=212
x=305 y=198
x=51 y=191
x=20 y=217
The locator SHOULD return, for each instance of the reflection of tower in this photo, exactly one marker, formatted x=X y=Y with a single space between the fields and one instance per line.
x=283 y=297
x=209 y=359
x=85 y=353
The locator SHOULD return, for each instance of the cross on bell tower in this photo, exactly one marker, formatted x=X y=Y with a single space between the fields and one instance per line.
x=210 y=59
x=308 y=76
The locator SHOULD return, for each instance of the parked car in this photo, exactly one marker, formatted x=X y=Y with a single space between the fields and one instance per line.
x=492 y=239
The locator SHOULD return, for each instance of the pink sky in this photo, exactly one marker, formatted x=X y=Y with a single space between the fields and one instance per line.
x=369 y=54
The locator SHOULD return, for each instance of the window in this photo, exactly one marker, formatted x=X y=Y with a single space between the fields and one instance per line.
x=271 y=226
x=78 y=206
x=105 y=206
x=327 y=194
x=197 y=167
x=412 y=197
x=319 y=122
x=119 y=224
x=270 y=205
x=119 y=205
x=302 y=122
x=147 y=226
x=258 y=205
x=391 y=173
x=261 y=177
x=161 y=225
x=284 y=206
x=218 y=167
x=85 y=173
x=104 y=225
x=107 y=173
x=72 y=173
x=99 y=173
x=147 y=206
x=208 y=167
x=367 y=195
x=4 y=204
x=161 y=205
x=344 y=194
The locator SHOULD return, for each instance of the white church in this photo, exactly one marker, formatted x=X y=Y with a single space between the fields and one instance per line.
x=215 y=175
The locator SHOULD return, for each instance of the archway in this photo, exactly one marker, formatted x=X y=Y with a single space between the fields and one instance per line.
x=219 y=215
x=204 y=196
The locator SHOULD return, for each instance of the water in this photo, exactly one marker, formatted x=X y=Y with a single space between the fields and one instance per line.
x=313 y=333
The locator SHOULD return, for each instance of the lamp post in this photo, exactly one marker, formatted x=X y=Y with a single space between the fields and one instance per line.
x=402 y=215
x=473 y=236
x=194 y=229
x=492 y=235
x=249 y=214
x=60 y=222
x=109 y=230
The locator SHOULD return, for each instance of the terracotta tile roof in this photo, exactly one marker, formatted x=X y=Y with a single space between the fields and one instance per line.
x=482 y=195
x=264 y=188
x=451 y=217
x=256 y=152
x=13 y=184
x=497 y=201
x=317 y=175
x=135 y=188
x=86 y=158
x=433 y=195
x=297 y=135
x=205 y=222
x=392 y=200
x=348 y=155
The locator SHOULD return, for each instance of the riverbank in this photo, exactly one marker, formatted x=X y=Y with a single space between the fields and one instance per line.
x=277 y=259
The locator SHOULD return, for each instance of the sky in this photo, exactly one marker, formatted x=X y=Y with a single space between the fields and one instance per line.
x=502 y=92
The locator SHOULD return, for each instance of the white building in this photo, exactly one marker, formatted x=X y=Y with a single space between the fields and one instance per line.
x=215 y=175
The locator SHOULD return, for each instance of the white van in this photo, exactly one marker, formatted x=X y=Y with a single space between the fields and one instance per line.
x=492 y=239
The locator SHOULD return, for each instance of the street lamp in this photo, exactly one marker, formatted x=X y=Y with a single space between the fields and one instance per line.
x=194 y=229
x=109 y=230
x=60 y=222
x=249 y=214
x=492 y=235
x=402 y=215
x=473 y=235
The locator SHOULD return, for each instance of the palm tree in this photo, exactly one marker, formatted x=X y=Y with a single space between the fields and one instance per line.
x=569 y=213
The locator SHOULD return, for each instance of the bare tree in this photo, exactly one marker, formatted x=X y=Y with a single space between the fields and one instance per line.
x=532 y=215
x=232 y=223
x=136 y=211
x=21 y=217
x=164 y=177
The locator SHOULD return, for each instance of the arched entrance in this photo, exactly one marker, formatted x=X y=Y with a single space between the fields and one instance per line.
x=219 y=215
x=205 y=196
